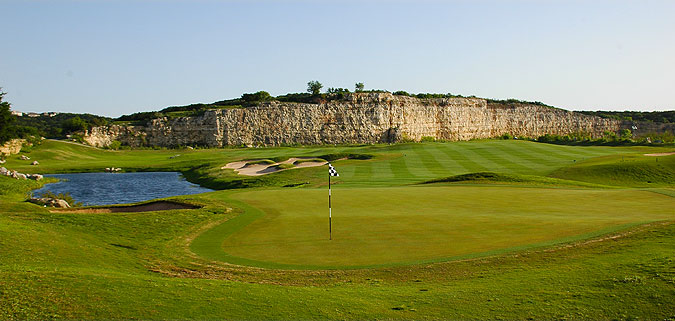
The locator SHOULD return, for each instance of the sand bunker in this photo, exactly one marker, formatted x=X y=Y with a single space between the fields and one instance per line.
x=261 y=169
x=148 y=207
x=661 y=154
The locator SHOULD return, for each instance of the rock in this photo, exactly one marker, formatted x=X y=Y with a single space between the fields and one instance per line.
x=18 y=175
x=360 y=118
x=2 y=161
x=36 y=177
x=24 y=157
x=60 y=203
x=34 y=163
x=3 y=171
x=13 y=146
x=51 y=202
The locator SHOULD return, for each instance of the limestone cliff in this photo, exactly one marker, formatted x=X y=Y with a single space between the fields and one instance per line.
x=359 y=118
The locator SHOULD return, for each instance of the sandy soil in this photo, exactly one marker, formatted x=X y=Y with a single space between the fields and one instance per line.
x=661 y=154
x=149 y=207
x=261 y=169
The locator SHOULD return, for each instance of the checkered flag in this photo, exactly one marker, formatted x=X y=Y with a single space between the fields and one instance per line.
x=332 y=171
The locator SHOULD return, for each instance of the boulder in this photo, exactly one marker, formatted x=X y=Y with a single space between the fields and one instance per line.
x=60 y=203
x=3 y=171
x=24 y=157
x=2 y=161
x=36 y=177
x=51 y=202
x=35 y=163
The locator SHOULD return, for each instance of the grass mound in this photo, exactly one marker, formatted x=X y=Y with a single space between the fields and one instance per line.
x=336 y=156
x=284 y=166
x=309 y=160
x=492 y=177
x=260 y=162
x=635 y=171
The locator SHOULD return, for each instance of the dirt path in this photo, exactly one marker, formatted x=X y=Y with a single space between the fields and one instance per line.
x=261 y=169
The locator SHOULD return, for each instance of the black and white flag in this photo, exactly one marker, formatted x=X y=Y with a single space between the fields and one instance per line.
x=332 y=171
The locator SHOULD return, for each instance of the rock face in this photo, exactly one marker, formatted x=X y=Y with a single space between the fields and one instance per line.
x=12 y=147
x=359 y=118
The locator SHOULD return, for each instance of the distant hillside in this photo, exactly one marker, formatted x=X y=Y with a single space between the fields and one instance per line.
x=58 y=125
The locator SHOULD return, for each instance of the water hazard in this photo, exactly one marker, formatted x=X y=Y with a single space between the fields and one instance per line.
x=121 y=188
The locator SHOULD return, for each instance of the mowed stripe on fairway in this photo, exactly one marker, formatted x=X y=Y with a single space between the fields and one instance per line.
x=401 y=225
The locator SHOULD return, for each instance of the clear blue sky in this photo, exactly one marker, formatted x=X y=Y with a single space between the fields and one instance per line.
x=119 y=57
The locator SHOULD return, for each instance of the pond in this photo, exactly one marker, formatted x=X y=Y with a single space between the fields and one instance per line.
x=120 y=188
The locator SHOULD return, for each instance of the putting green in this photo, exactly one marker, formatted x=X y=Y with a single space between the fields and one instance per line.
x=401 y=225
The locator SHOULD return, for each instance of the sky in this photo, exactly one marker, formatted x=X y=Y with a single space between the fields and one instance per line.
x=119 y=57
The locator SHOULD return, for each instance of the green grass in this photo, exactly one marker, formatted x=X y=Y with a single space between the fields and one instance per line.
x=621 y=170
x=261 y=162
x=529 y=239
x=391 y=226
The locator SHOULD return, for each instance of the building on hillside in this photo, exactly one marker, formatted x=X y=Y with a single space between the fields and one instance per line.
x=17 y=113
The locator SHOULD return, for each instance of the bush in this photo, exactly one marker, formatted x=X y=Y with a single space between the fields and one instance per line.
x=256 y=97
x=402 y=93
x=506 y=136
x=427 y=139
x=115 y=144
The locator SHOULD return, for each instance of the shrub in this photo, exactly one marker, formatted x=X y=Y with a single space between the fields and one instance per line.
x=428 y=139
x=256 y=97
x=115 y=144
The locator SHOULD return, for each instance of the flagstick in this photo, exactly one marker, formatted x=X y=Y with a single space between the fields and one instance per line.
x=330 y=225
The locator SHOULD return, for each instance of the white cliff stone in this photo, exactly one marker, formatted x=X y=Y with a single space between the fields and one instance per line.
x=358 y=119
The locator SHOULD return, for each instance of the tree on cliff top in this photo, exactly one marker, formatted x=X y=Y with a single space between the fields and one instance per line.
x=359 y=87
x=6 y=120
x=257 y=97
x=314 y=87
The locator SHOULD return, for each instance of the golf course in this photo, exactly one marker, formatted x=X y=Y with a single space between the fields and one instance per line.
x=482 y=229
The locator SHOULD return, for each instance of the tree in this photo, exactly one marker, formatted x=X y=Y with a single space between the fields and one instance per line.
x=314 y=87
x=6 y=120
x=358 y=87
x=74 y=124
x=256 y=97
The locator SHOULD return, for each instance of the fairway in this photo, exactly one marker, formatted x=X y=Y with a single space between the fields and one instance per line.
x=404 y=225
